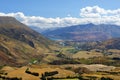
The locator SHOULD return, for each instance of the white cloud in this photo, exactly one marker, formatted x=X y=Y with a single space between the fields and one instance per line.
x=99 y=15
x=43 y=22
x=88 y=14
x=92 y=12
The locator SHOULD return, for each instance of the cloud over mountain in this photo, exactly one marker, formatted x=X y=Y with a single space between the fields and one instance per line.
x=96 y=11
x=95 y=15
x=99 y=15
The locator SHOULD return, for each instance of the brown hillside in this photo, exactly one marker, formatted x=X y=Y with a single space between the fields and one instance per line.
x=18 y=43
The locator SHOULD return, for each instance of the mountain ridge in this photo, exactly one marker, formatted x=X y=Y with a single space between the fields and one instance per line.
x=86 y=32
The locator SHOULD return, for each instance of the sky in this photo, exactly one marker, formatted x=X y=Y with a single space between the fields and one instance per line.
x=61 y=13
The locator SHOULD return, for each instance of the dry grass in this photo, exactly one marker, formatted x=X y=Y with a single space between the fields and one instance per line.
x=20 y=72
x=87 y=54
x=62 y=73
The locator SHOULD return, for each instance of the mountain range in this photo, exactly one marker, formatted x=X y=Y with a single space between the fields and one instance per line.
x=85 y=32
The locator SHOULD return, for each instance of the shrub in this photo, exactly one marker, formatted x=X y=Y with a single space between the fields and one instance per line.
x=81 y=70
x=32 y=73
x=51 y=73
x=43 y=77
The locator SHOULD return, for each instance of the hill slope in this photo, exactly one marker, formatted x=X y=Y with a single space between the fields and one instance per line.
x=87 y=32
x=110 y=44
x=18 y=43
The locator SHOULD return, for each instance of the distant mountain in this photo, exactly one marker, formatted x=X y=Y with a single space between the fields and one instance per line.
x=19 y=44
x=42 y=30
x=39 y=30
x=86 y=32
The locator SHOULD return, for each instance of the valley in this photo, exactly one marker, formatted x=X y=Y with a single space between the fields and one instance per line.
x=27 y=55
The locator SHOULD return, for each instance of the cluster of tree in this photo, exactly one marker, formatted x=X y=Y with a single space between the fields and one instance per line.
x=106 y=61
x=50 y=73
x=32 y=73
x=46 y=74
x=116 y=58
x=64 y=61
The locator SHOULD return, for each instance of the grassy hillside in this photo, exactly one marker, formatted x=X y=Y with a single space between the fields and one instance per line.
x=19 y=44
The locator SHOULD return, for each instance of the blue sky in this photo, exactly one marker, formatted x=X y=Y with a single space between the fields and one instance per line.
x=54 y=8
x=62 y=13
